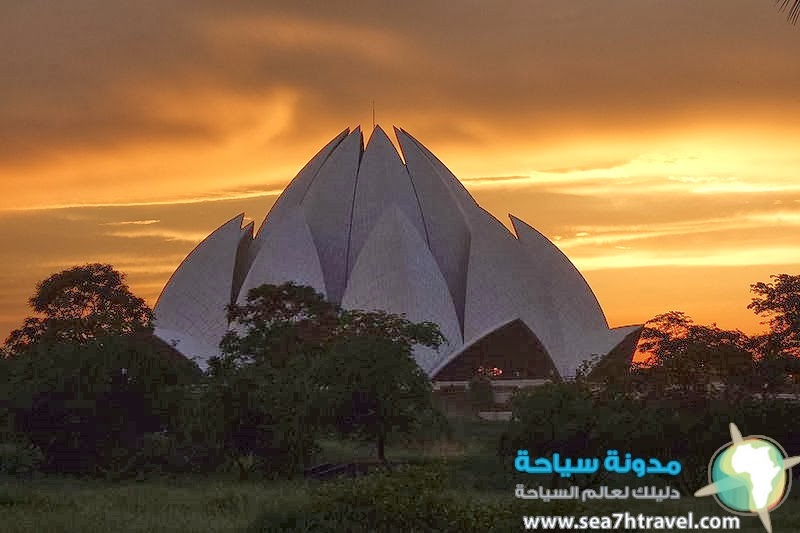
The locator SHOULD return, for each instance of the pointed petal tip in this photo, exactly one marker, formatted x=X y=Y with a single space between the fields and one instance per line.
x=400 y=132
x=356 y=132
x=520 y=226
x=517 y=222
x=380 y=135
x=238 y=218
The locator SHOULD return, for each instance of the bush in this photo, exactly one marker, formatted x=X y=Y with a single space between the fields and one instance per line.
x=431 y=426
x=261 y=413
x=558 y=417
x=156 y=454
x=570 y=419
x=479 y=393
x=19 y=457
x=88 y=406
x=408 y=499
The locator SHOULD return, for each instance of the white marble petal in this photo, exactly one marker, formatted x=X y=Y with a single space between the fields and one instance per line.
x=328 y=208
x=447 y=230
x=286 y=254
x=371 y=231
x=396 y=273
x=499 y=287
x=382 y=183
x=194 y=299
x=294 y=193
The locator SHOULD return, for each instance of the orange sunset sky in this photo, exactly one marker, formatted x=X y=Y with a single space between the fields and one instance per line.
x=656 y=142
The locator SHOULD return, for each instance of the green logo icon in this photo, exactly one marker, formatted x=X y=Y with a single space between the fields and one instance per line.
x=749 y=475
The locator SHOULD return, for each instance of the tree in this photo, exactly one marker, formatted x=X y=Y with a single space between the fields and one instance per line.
x=688 y=356
x=88 y=405
x=264 y=413
x=275 y=323
x=261 y=391
x=314 y=360
x=373 y=384
x=779 y=301
x=79 y=305
x=396 y=328
x=85 y=379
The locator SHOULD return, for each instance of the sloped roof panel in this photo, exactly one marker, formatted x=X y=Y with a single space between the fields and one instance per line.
x=287 y=253
x=382 y=182
x=465 y=199
x=447 y=230
x=499 y=286
x=396 y=273
x=293 y=194
x=584 y=323
x=194 y=299
x=328 y=208
x=570 y=291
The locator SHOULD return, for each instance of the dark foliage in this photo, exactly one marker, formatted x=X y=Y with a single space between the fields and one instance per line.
x=408 y=499
x=779 y=301
x=279 y=322
x=570 y=419
x=295 y=363
x=373 y=386
x=88 y=406
x=79 y=305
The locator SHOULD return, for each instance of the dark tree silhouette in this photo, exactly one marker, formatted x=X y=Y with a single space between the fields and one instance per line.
x=779 y=300
x=79 y=305
x=688 y=357
x=293 y=360
x=373 y=386
x=275 y=323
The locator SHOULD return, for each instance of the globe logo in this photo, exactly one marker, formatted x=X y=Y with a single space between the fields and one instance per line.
x=749 y=476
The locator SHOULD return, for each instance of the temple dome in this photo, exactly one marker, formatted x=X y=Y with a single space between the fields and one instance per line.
x=373 y=231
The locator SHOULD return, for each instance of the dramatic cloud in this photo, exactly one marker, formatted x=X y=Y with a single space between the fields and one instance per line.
x=653 y=141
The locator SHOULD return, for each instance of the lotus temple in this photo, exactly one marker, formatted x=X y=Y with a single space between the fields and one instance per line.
x=373 y=229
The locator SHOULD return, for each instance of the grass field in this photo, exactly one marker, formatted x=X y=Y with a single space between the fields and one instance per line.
x=204 y=505
x=223 y=504
x=89 y=506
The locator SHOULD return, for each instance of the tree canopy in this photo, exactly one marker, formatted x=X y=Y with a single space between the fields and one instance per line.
x=86 y=378
x=277 y=322
x=779 y=301
x=322 y=365
x=78 y=305
x=686 y=358
x=686 y=355
x=281 y=321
